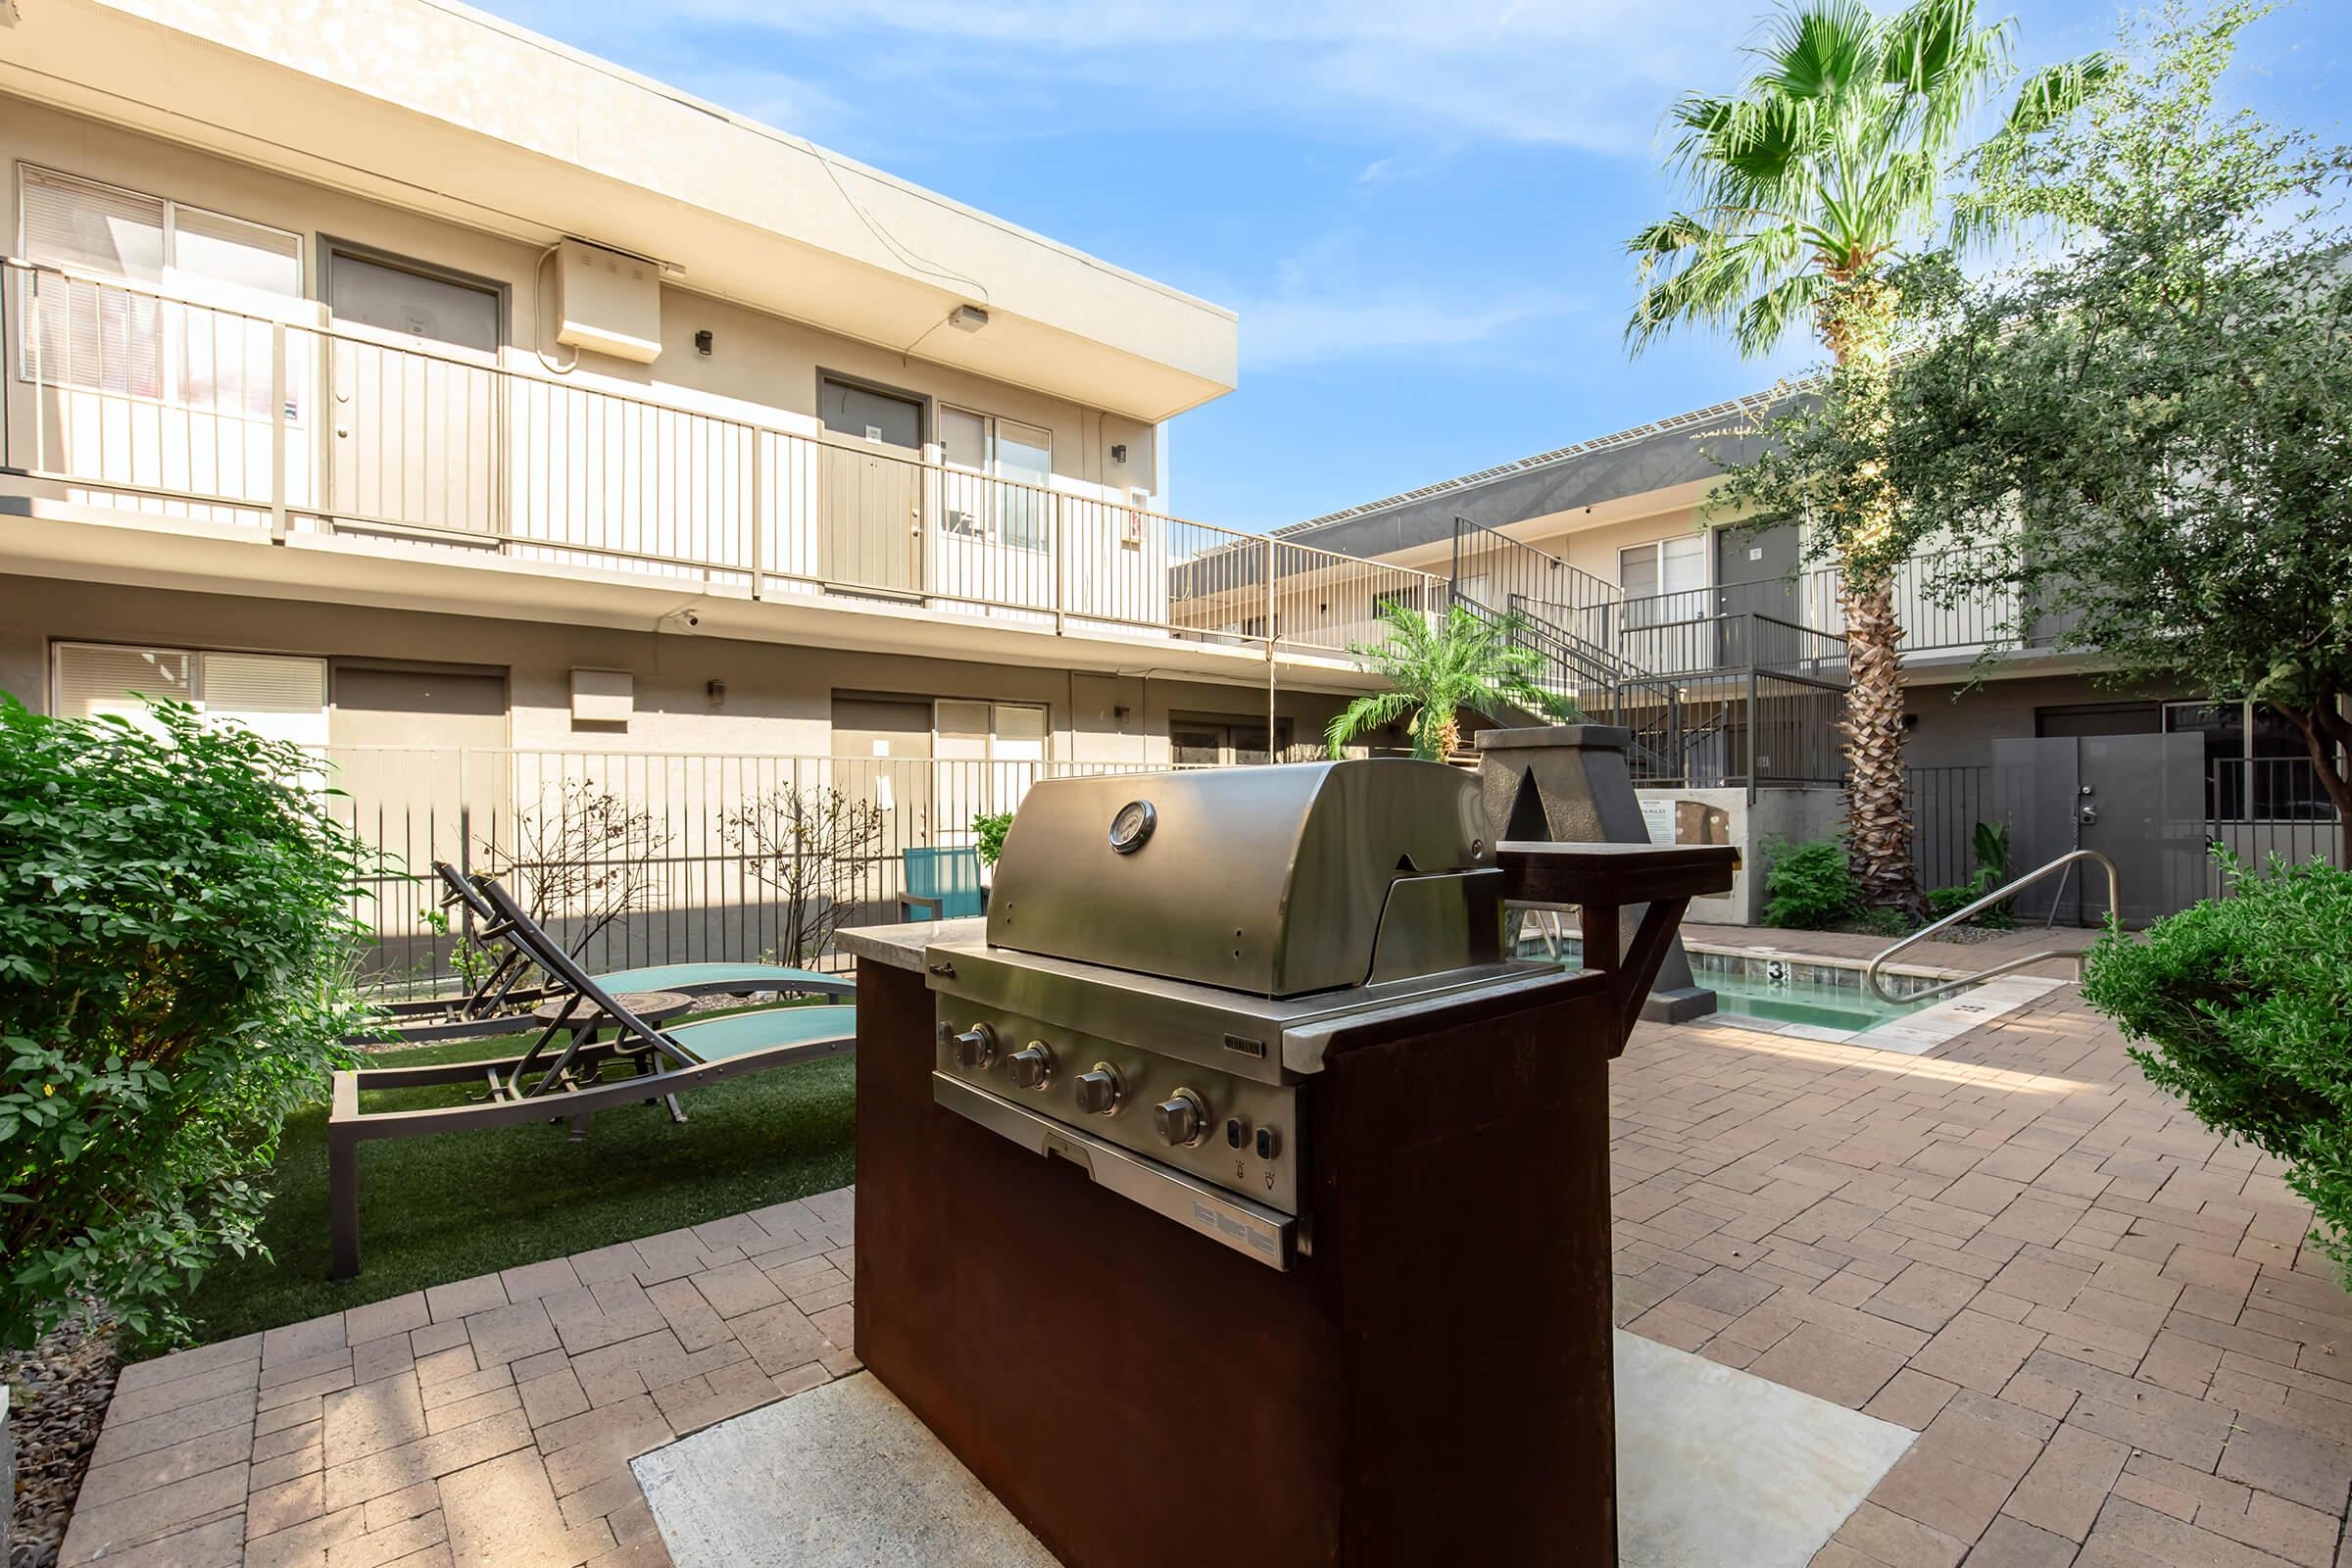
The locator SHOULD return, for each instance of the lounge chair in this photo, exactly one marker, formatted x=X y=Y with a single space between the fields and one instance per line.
x=941 y=884
x=562 y=1076
x=502 y=1003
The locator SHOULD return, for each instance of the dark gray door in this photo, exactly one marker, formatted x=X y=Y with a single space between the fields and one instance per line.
x=1755 y=572
x=2139 y=800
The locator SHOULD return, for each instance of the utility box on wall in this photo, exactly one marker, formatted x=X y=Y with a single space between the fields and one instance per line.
x=603 y=696
x=607 y=302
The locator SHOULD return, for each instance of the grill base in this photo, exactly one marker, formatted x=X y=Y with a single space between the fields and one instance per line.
x=1432 y=1385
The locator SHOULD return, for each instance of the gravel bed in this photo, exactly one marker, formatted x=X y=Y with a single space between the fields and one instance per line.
x=57 y=1401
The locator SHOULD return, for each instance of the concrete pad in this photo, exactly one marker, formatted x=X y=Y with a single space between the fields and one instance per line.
x=1718 y=1468
x=840 y=1475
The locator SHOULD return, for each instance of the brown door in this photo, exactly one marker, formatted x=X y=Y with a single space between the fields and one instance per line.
x=872 y=481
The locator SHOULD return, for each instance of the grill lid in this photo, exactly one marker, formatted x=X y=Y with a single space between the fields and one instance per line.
x=1268 y=880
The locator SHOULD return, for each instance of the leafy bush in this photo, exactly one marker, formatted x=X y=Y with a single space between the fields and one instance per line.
x=175 y=947
x=2245 y=1006
x=1808 y=887
x=1946 y=902
x=988 y=832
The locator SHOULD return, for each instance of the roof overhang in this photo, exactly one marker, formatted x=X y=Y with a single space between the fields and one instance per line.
x=444 y=109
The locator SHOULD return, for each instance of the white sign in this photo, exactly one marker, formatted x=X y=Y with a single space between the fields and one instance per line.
x=1657 y=816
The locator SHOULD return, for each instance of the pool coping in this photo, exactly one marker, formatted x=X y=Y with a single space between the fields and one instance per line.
x=1910 y=1034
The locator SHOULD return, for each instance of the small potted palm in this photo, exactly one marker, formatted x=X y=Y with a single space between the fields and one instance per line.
x=1435 y=671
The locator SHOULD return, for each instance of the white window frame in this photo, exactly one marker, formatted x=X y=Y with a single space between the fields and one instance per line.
x=990 y=523
x=170 y=355
x=198 y=695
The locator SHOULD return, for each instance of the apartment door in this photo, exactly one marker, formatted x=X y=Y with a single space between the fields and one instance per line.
x=1756 y=573
x=882 y=754
x=870 y=484
x=2139 y=800
x=421 y=756
x=415 y=433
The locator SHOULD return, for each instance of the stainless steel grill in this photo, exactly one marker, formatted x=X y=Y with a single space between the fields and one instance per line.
x=1169 y=956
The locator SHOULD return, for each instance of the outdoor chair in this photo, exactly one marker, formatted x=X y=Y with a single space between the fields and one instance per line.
x=500 y=1003
x=560 y=1077
x=941 y=884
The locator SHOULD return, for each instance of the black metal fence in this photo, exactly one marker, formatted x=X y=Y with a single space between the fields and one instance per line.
x=2256 y=807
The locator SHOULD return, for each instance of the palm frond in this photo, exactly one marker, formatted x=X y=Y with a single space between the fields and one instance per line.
x=2054 y=92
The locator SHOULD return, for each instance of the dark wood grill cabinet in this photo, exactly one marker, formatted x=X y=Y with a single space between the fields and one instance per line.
x=1239 y=1199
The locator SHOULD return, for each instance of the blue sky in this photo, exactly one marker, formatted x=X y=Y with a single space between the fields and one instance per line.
x=1418 y=207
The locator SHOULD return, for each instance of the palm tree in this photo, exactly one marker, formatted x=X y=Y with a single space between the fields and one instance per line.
x=1806 y=185
x=1435 y=672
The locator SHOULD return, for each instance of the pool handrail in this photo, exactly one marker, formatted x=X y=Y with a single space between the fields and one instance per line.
x=2008 y=890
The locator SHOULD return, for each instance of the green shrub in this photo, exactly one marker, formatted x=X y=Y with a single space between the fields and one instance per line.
x=988 y=832
x=176 y=947
x=1808 y=887
x=1946 y=902
x=2244 y=1004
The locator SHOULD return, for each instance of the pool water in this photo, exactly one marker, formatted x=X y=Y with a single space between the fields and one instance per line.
x=1828 y=1006
x=1808 y=991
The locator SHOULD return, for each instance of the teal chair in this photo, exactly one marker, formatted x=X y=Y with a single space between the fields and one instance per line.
x=940 y=884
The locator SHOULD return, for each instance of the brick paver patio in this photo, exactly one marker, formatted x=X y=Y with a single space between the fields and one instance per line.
x=2104 y=1321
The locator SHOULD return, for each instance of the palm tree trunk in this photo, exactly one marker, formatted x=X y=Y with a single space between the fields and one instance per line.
x=1857 y=325
x=1878 y=816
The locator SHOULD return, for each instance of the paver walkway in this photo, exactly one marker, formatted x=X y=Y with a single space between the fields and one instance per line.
x=2104 y=1321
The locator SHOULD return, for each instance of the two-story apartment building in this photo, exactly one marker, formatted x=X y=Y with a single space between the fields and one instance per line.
x=1722 y=649
x=484 y=415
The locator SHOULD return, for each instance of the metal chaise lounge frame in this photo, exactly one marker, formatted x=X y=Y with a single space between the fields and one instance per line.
x=569 y=1084
x=502 y=1004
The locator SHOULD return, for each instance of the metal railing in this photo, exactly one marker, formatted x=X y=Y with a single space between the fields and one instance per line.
x=696 y=851
x=1871 y=977
x=137 y=398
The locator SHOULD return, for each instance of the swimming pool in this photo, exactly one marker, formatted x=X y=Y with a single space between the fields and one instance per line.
x=1781 y=990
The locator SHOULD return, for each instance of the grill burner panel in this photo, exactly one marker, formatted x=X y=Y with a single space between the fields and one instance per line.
x=1170 y=956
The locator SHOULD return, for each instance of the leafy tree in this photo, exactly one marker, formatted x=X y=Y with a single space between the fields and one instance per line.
x=1808 y=184
x=2145 y=438
x=1435 y=672
x=175 y=947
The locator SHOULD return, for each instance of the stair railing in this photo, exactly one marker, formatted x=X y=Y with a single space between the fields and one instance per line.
x=2114 y=901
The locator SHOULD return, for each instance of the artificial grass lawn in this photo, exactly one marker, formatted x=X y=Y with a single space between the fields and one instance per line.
x=457 y=1204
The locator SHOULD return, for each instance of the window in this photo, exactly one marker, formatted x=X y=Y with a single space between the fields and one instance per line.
x=1217 y=741
x=114 y=339
x=1020 y=514
x=1675 y=565
x=988 y=754
x=280 y=696
x=2257 y=767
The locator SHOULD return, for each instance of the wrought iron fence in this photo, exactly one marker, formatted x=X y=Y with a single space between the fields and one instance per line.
x=644 y=858
x=2255 y=807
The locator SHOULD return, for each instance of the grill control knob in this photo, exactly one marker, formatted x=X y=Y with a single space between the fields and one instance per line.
x=1180 y=1119
x=1099 y=1091
x=1032 y=1068
x=976 y=1046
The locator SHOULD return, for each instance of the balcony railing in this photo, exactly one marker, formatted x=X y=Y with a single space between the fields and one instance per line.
x=168 y=404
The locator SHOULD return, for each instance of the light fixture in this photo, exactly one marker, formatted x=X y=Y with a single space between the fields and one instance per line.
x=702 y=342
x=1118 y=452
x=967 y=318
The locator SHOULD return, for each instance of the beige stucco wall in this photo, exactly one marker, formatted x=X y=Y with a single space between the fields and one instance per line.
x=762 y=369
x=778 y=698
